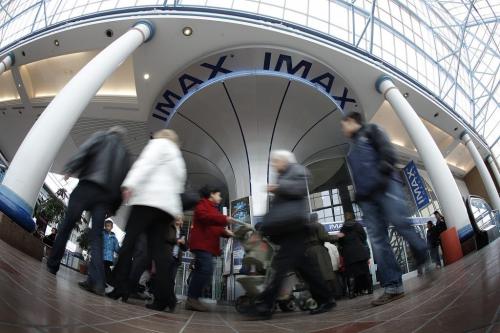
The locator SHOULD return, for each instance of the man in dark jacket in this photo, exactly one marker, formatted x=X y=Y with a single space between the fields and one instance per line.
x=433 y=243
x=290 y=195
x=101 y=165
x=371 y=159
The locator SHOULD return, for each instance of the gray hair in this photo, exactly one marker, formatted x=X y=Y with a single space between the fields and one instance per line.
x=118 y=130
x=283 y=155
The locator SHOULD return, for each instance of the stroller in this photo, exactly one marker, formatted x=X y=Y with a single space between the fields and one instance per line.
x=256 y=264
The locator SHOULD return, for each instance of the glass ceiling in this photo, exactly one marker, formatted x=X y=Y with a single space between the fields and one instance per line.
x=451 y=47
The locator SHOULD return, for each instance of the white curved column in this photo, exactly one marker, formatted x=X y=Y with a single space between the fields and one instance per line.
x=7 y=63
x=444 y=184
x=37 y=152
x=494 y=167
x=489 y=185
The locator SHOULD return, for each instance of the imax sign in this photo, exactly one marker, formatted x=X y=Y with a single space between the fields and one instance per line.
x=246 y=59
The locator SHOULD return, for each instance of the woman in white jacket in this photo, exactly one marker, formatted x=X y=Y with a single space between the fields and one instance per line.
x=153 y=188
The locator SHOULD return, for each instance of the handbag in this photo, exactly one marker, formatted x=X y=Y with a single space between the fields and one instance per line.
x=285 y=217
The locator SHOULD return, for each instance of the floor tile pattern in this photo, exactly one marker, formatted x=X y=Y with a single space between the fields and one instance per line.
x=463 y=297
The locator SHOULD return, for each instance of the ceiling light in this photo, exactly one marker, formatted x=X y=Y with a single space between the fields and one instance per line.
x=146 y=76
x=187 y=31
x=406 y=95
x=56 y=42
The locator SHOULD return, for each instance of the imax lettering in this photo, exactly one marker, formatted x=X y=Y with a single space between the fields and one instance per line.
x=216 y=69
x=416 y=184
x=304 y=65
x=302 y=68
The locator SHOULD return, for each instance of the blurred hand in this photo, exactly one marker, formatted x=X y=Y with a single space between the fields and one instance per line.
x=181 y=241
x=229 y=233
x=272 y=188
x=126 y=194
x=340 y=235
x=230 y=220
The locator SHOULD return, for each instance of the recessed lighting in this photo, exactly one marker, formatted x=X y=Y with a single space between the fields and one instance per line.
x=406 y=95
x=109 y=33
x=455 y=129
x=436 y=114
x=56 y=42
x=187 y=31
x=146 y=76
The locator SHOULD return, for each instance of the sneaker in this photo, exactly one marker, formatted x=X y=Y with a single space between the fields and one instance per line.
x=387 y=298
x=195 y=305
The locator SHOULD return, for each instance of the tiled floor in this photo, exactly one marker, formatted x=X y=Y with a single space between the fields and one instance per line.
x=464 y=297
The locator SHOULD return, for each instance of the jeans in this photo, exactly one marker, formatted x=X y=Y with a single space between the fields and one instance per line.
x=202 y=274
x=92 y=197
x=386 y=209
x=154 y=222
x=293 y=257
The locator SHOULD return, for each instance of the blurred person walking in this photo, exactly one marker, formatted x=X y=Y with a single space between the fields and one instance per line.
x=100 y=164
x=209 y=225
x=371 y=159
x=153 y=188
x=285 y=224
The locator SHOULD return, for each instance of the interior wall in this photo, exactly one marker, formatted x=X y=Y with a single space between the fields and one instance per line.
x=475 y=184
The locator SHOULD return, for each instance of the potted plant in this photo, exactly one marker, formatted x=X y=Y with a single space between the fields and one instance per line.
x=84 y=242
x=50 y=212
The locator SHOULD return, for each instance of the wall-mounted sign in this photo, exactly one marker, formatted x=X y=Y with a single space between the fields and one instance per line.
x=249 y=60
x=416 y=184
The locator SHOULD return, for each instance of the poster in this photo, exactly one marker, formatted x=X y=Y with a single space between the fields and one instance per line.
x=241 y=211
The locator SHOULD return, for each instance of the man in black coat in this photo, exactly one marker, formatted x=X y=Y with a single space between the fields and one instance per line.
x=286 y=223
x=101 y=165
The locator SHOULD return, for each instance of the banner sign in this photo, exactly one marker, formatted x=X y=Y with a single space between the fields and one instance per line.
x=416 y=185
x=241 y=211
x=332 y=227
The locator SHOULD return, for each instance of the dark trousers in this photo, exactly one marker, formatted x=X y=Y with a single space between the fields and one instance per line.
x=174 y=267
x=292 y=256
x=107 y=270
x=434 y=251
x=141 y=261
x=154 y=222
x=201 y=276
x=91 y=197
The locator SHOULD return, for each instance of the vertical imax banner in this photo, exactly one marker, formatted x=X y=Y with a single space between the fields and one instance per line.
x=416 y=185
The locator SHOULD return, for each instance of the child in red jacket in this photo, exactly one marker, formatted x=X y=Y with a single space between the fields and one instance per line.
x=204 y=242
